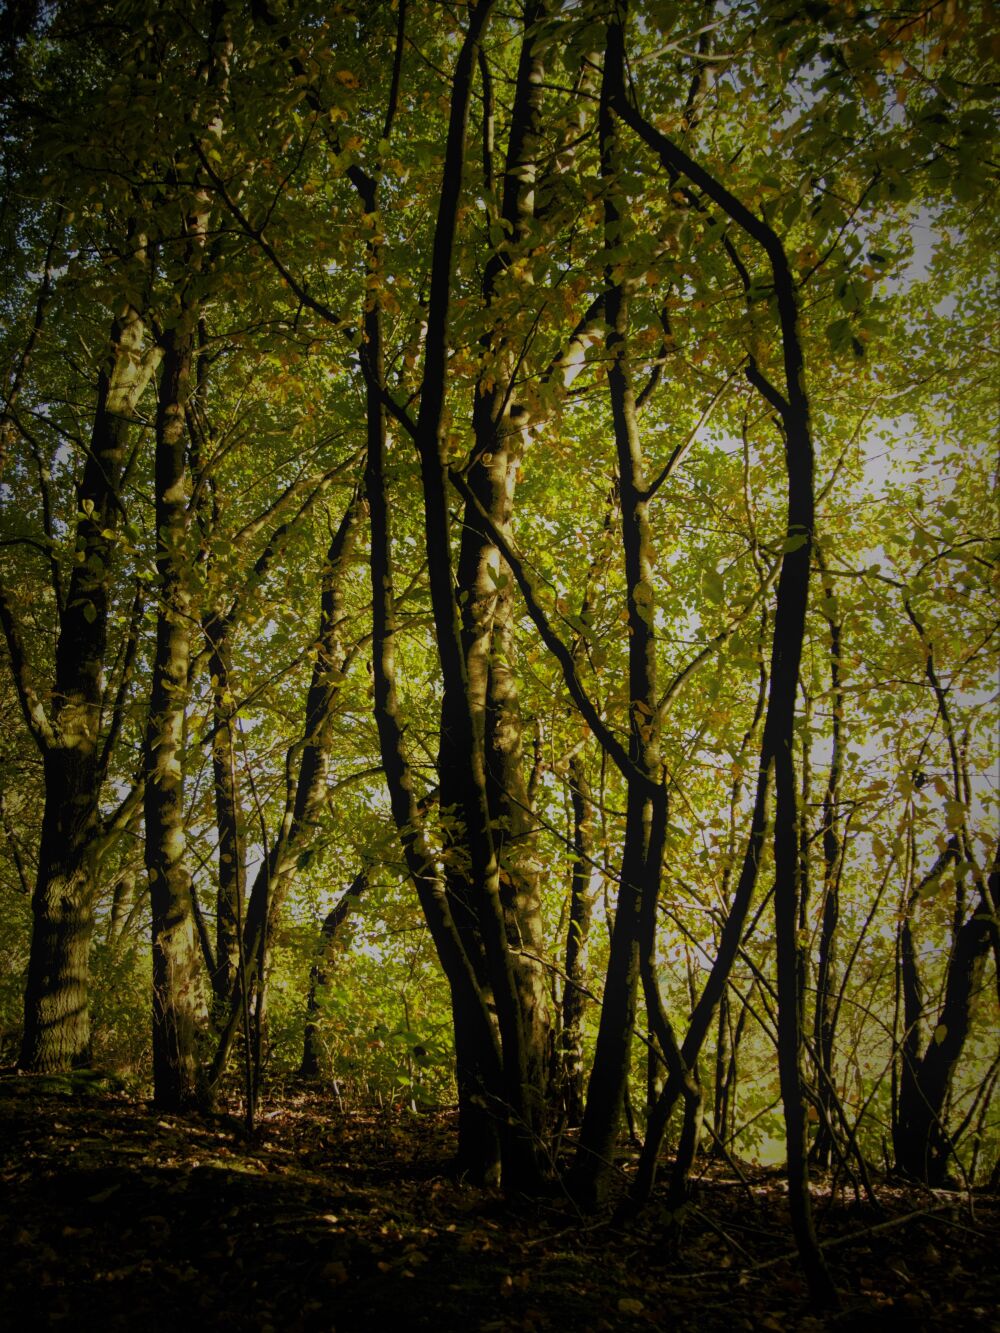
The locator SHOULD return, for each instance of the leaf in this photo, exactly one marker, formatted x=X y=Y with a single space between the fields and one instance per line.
x=954 y=815
x=715 y=589
x=794 y=542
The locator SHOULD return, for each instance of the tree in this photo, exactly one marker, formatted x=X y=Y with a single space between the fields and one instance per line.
x=76 y=722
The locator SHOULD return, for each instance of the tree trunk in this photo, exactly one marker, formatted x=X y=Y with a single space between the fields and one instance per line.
x=56 y=1004
x=789 y=631
x=571 y=1076
x=463 y=768
x=486 y=596
x=645 y=815
x=178 y=1005
x=312 y=1049
x=477 y=1054
x=57 y=1014
x=824 y=1027
x=231 y=891
x=725 y=1060
x=923 y=1146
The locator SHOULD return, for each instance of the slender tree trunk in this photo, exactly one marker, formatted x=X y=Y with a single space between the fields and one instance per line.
x=824 y=1028
x=571 y=1078
x=923 y=1146
x=486 y=594
x=645 y=815
x=178 y=1003
x=319 y=973
x=789 y=631
x=460 y=723
x=122 y=902
x=477 y=1053
x=231 y=890
x=570 y=1073
x=724 y=1061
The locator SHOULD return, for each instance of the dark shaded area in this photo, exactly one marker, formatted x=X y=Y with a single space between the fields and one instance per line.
x=114 y=1217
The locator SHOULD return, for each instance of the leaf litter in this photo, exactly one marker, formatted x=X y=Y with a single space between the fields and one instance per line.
x=117 y=1217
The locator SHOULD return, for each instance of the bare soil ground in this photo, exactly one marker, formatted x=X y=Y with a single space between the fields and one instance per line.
x=114 y=1217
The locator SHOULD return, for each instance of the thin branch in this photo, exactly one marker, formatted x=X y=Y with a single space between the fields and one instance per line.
x=551 y=639
x=34 y=713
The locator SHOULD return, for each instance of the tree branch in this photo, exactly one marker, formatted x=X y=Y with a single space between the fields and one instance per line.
x=35 y=717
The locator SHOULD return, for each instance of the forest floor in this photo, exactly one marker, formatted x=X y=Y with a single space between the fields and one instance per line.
x=115 y=1217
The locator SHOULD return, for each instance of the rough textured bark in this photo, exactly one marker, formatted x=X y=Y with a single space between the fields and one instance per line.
x=178 y=1003
x=486 y=595
x=464 y=765
x=75 y=762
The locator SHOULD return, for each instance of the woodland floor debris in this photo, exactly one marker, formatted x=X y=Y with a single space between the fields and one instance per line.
x=113 y=1216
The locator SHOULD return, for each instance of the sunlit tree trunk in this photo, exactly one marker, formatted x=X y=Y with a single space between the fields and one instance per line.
x=463 y=763
x=178 y=1001
x=75 y=753
x=582 y=894
x=485 y=593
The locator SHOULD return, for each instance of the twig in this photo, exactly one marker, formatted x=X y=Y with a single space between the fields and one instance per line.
x=566 y=1231
x=791 y=1255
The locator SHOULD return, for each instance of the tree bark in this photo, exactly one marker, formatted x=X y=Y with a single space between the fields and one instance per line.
x=923 y=1147
x=485 y=592
x=56 y=1003
x=645 y=814
x=789 y=630
x=571 y=1074
x=312 y=1048
x=178 y=1002
x=824 y=1025
x=463 y=767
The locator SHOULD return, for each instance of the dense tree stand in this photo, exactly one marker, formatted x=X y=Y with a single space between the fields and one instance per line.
x=498 y=602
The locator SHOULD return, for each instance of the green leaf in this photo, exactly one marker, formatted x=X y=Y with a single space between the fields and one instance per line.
x=794 y=542
x=713 y=585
